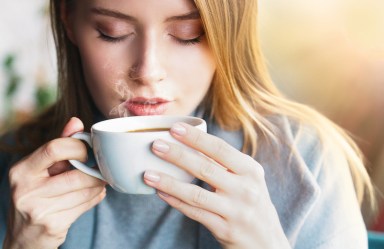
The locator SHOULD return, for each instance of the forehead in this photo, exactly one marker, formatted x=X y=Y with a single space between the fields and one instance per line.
x=139 y=7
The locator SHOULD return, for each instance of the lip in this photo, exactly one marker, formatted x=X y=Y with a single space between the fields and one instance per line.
x=141 y=106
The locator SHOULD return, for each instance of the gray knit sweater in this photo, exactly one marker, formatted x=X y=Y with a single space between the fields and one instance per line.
x=314 y=198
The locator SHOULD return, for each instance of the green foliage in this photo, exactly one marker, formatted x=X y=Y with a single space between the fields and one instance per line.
x=13 y=85
x=13 y=79
x=8 y=62
x=44 y=97
x=45 y=94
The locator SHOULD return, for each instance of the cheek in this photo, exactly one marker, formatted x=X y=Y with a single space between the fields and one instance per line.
x=195 y=70
x=103 y=75
x=194 y=73
x=99 y=61
x=101 y=70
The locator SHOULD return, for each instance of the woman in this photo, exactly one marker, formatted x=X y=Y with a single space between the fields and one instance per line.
x=278 y=174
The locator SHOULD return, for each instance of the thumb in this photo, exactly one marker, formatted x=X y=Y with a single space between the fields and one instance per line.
x=74 y=125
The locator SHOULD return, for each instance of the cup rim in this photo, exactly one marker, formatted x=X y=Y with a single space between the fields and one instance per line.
x=101 y=126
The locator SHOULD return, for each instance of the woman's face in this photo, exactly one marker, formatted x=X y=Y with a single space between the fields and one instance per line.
x=142 y=57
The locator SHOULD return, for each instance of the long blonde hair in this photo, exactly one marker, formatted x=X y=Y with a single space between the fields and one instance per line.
x=242 y=86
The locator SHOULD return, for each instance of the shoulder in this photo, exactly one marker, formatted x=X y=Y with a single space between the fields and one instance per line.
x=303 y=145
x=312 y=188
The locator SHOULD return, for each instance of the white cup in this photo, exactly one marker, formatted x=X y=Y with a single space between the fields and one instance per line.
x=123 y=154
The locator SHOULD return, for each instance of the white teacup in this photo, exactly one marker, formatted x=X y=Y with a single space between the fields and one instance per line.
x=122 y=148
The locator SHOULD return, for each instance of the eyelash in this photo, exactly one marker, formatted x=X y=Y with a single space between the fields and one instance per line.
x=190 y=41
x=107 y=38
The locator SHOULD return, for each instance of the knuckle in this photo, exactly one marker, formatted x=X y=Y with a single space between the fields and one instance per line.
x=197 y=214
x=50 y=229
x=226 y=235
x=257 y=171
x=14 y=174
x=178 y=204
x=199 y=196
x=81 y=146
x=207 y=168
x=249 y=194
x=221 y=146
x=51 y=149
x=35 y=215
x=244 y=217
x=228 y=209
x=248 y=188
x=72 y=177
x=17 y=199
x=81 y=150
x=55 y=229
x=229 y=234
x=87 y=193
x=178 y=153
x=249 y=162
x=253 y=168
x=198 y=137
x=99 y=198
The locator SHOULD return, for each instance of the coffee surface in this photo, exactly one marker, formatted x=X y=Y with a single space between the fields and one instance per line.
x=149 y=130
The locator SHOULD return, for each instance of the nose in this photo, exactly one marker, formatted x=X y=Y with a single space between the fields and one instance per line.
x=147 y=67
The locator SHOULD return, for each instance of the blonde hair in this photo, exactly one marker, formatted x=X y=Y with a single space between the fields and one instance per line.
x=242 y=87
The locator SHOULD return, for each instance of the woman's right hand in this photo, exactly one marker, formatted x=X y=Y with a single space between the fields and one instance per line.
x=47 y=197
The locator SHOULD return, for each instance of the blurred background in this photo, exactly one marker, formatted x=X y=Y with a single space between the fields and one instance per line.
x=328 y=54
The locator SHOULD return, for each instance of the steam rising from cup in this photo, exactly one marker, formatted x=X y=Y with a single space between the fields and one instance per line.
x=124 y=92
x=121 y=87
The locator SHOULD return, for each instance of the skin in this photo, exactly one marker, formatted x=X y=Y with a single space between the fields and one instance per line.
x=47 y=198
x=235 y=178
x=149 y=55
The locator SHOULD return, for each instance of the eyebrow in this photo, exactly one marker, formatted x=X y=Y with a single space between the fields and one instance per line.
x=116 y=14
x=112 y=13
x=188 y=16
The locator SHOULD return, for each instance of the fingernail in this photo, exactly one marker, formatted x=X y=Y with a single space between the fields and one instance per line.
x=178 y=129
x=160 y=146
x=151 y=176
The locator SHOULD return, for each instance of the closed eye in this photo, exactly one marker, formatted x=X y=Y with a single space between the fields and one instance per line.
x=111 y=39
x=189 y=41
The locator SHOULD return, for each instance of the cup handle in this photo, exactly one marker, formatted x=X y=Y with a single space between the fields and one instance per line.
x=85 y=136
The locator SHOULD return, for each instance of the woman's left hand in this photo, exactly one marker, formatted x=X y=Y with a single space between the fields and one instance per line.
x=239 y=211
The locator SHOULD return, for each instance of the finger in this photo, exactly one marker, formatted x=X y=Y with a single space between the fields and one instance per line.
x=61 y=221
x=186 y=192
x=72 y=199
x=196 y=164
x=213 y=147
x=74 y=125
x=54 y=151
x=69 y=181
x=213 y=222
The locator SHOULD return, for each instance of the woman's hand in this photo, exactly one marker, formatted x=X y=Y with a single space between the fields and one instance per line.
x=239 y=212
x=47 y=197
